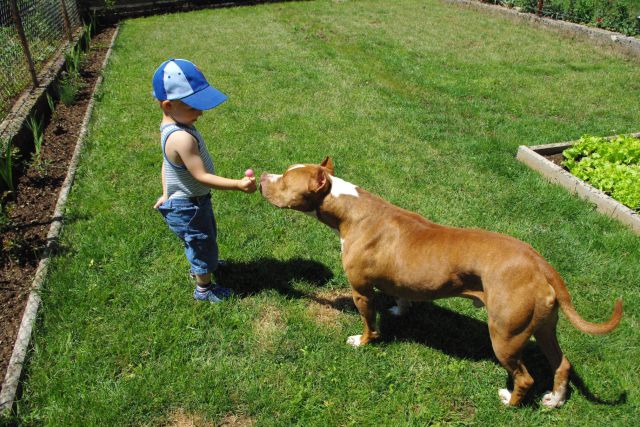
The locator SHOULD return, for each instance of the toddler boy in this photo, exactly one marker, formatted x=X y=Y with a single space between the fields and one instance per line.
x=187 y=170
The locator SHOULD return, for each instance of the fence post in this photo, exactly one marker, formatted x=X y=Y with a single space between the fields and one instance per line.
x=23 y=39
x=67 y=23
x=540 y=4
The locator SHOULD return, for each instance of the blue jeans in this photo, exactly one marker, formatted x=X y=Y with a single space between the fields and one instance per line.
x=192 y=220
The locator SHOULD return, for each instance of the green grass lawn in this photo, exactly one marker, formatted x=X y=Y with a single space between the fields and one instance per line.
x=421 y=102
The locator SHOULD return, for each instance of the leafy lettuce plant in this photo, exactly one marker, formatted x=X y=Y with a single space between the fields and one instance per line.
x=611 y=165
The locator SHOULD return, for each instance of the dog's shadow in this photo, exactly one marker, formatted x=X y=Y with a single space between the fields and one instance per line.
x=426 y=323
x=460 y=336
x=464 y=337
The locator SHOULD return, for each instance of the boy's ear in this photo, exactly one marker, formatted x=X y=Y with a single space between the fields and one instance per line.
x=327 y=163
x=165 y=105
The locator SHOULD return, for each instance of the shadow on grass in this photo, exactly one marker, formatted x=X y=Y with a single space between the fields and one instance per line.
x=578 y=382
x=467 y=338
x=450 y=332
x=248 y=278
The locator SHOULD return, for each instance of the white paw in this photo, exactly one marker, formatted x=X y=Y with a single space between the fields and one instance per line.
x=553 y=400
x=395 y=311
x=505 y=396
x=354 y=340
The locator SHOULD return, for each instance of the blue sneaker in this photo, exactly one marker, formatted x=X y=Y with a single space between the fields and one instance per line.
x=213 y=294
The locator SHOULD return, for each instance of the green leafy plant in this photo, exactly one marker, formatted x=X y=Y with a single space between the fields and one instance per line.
x=70 y=81
x=35 y=126
x=611 y=165
x=51 y=102
x=69 y=88
x=88 y=33
x=6 y=165
x=73 y=58
x=93 y=20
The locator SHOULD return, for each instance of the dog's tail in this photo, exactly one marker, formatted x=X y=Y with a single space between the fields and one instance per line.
x=563 y=297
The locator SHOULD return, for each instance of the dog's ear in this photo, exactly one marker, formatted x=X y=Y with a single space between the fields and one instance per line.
x=319 y=182
x=327 y=163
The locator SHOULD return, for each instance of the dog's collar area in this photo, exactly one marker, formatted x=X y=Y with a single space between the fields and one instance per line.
x=324 y=219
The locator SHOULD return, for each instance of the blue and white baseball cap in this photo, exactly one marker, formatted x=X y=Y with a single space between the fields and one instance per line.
x=181 y=79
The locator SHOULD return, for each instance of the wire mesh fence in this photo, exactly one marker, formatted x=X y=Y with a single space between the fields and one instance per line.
x=31 y=31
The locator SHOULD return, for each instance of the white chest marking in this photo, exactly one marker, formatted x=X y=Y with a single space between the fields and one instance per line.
x=340 y=187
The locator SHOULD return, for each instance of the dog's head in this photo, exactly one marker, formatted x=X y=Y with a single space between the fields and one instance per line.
x=301 y=187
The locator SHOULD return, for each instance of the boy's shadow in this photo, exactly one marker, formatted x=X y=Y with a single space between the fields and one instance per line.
x=248 y=278
x=464 y=337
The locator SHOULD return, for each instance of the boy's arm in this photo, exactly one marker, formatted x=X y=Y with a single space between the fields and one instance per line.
x=162 y=198
x=187 y=147
x=164 y=184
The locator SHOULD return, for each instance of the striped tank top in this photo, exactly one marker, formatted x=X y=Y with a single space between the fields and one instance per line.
x=179 y=181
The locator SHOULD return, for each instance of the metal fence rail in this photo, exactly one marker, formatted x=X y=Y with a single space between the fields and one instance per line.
x=31 y=31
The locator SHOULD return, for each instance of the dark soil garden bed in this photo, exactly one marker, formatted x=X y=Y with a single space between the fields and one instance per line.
x=29 y=213
x=556 y=159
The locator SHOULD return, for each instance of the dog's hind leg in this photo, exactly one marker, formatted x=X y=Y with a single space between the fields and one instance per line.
x=510 y=327
x=548 y=342
x=509 y=353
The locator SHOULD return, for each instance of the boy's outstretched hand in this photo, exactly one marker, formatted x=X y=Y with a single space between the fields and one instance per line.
x=248 y=183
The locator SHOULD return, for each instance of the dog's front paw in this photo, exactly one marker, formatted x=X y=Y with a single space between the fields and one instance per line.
x=354 y=340
x=505 y=396
x=553 y=400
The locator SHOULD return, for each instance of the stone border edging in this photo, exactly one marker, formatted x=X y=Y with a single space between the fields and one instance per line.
x=533 y=157
x=14 y=369
x=609 y=38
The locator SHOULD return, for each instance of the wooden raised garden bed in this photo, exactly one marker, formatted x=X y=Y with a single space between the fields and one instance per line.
x=546 y=160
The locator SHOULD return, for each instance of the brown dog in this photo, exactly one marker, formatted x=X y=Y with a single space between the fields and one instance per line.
x=412 y=259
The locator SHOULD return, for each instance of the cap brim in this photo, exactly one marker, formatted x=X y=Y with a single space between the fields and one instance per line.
x=205 y=99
